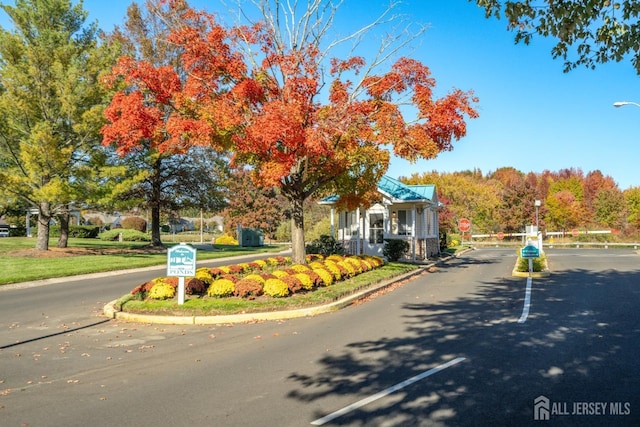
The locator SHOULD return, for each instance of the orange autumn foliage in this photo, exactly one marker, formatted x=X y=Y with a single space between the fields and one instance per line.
x=243 y=90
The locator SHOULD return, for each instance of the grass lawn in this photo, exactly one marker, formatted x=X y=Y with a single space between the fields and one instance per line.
x=20 y=262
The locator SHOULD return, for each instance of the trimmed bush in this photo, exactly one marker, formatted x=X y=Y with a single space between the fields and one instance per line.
x=325 y=245
x=194 y=286
x=205 y=275
x=333 y=268
x=305 y=281
x=248 y=288
x=78 y=231
x=225 y=240
x=293 y=283
x=127 y=235
x=221 y=288
x=299 y=268
x=325 y=276
x=134 y=223
x=394 y=249
x=258 y=278
x=280 y=273
x=276 y=288
x=161 y=290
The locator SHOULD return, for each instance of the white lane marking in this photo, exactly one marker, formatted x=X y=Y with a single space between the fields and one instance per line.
x=527 y=302
x=383 y=393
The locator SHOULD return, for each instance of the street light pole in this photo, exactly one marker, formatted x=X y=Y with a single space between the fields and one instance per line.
x=623 y=103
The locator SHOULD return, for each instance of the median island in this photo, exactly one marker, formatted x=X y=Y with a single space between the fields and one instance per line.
x=262 y=289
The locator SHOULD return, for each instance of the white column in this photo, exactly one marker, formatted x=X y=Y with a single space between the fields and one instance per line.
x=333 y=228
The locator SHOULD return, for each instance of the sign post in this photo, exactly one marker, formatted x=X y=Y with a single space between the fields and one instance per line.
x=181 y=262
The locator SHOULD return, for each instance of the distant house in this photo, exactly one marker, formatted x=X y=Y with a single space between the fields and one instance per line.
x=408 y=212
x=4 y=228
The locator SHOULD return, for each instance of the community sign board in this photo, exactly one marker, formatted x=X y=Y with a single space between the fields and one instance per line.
x=181 y=263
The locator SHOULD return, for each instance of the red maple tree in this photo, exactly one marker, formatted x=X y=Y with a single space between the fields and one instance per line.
x=266 y=102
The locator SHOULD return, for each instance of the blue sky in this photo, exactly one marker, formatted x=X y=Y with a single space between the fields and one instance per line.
x=533 y=116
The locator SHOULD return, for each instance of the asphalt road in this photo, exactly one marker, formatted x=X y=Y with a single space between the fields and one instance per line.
x=444 y=349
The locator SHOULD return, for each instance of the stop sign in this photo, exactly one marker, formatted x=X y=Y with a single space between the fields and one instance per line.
x=500 y=235
x=464 y=224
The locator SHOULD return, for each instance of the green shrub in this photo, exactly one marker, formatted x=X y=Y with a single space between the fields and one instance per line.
x=325 y=245
x=127 y=235
x=79 y=231
x=221 y=288
x=134 y=223
x=394 y=249
x=538 y=264
x=276 y=288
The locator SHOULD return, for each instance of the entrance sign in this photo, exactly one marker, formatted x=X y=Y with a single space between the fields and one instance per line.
x=530 y=251
x=181 y=262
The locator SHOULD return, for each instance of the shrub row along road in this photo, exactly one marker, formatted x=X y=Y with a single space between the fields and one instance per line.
x=445 y=348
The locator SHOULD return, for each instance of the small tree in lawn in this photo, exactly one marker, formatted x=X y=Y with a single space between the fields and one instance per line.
x=305 y=123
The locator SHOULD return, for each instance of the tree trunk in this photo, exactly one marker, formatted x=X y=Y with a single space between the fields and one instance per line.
x=44 y=218
x=63 y=218
x=155 y=225
x=155 y=201
x=298 y=251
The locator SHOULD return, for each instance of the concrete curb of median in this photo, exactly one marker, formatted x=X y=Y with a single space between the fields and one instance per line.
x=110 y=311
x=534 y=274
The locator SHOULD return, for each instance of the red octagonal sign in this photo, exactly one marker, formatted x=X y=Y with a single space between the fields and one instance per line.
x=464 y=224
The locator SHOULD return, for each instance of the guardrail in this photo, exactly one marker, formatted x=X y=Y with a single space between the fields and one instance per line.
x=605 y=245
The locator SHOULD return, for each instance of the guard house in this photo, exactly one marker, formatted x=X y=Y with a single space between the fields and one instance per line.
x=408 y=212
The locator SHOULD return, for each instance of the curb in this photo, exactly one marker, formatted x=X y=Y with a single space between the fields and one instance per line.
x=534 y=274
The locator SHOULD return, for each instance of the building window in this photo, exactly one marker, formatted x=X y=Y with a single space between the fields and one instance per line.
x=376 y=228
x=404 y=223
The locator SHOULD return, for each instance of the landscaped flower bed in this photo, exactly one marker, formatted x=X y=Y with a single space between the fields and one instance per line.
x=274 y=277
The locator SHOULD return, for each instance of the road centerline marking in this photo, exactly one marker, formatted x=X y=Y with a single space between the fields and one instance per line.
x=383 y=393
x=527 y=302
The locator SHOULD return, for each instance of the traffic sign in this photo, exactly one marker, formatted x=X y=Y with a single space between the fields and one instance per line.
x=500 y=235
x=529 y=251
x=574 y=232
x=464 y=224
